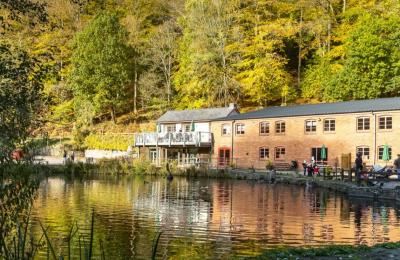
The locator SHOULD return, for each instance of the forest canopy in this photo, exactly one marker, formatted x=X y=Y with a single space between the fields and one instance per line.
x=109 y=58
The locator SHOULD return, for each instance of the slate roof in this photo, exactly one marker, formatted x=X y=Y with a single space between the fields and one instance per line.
x=381 y=104
x=206 y=114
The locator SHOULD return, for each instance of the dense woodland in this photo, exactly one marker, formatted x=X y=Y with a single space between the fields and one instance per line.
x=128 y=60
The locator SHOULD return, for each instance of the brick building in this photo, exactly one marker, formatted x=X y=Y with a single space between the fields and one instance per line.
x=283 y=134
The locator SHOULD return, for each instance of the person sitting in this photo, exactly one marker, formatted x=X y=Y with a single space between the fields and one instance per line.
x=397 y=166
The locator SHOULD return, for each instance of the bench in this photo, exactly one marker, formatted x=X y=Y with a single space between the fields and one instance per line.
x=282 y=166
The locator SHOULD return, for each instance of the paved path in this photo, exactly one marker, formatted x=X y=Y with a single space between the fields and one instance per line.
x=54 y=160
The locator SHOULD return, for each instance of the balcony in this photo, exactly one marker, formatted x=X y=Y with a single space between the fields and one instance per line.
x=197 y=139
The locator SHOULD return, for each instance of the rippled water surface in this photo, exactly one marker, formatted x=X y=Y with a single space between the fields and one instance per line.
x=204 y=218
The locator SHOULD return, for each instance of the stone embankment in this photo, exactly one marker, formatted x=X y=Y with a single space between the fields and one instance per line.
x=381 y=190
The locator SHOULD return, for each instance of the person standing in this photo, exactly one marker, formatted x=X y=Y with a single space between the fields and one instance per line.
x=397 y=166
x=65 y=156
x=72 y=156
x=304 y=167
x=359 y=166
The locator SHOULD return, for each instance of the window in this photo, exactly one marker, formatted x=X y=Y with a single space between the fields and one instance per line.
x=364 y=151
x=380 y=153
x=280 y=153
x=317 y=152
x=226 y=129
x=239 y=129
x=363 y=123
x=385 y=122
x=264 y=153
x=311 y=126
x=171 y=128
x=280 y=127
x=329 y=125
x=264 y=128
x=187 y=127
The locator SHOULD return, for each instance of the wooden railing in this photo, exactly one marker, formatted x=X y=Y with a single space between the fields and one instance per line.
x=174 y=139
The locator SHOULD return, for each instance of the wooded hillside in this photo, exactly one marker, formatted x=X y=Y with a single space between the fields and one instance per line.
x=131 y=59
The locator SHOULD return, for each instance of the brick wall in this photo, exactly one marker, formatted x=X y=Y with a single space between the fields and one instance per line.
x=298 y=143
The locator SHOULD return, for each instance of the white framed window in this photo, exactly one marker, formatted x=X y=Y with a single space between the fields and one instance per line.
x=264 y=128
x=364 y=151
x=171 y=128
x=363 y=123
x=329 y=125
x=239 y=129
x=187 y=127
x=226 y=129
x=280 y=153
x=280 y=127
x=264 y=153
x=310 y=126
x=385 y=122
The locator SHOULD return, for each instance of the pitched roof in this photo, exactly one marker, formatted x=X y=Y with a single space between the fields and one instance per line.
x=206 y=114
x=356 y=106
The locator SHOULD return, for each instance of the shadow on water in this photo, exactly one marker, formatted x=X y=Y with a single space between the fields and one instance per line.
x=207 y=218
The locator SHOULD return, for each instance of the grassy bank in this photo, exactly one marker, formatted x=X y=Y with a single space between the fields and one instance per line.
x=333 y=252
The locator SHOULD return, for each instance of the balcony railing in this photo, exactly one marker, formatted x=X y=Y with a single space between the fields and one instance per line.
x=173 y=139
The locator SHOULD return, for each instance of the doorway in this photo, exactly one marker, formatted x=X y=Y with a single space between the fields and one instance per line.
x=153 y=156
x=316 y=154
x=224 y=156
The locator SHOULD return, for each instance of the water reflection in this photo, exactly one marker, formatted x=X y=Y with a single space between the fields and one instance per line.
x=207 y=218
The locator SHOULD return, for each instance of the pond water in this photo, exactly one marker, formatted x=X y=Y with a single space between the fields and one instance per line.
x=204 y=218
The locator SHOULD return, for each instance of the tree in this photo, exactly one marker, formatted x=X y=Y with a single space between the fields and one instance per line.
x=20 y=95
x=367 y=66
x=163 y=53
x=262 y=67
x=101 y=60
x=206 y=72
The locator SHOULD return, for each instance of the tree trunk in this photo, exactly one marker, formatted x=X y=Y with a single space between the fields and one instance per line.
x=329 y=34
x=300 y=48
x=112 y=112
x=135 y=87
x=344 y=6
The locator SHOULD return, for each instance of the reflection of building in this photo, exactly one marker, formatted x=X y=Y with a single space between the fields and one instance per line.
x=184 y=136
x=288 y=213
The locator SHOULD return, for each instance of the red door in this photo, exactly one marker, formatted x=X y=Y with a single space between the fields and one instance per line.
x=224 y=156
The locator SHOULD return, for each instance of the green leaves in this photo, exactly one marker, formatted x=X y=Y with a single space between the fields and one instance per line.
x=20 y=96
x=370 y=67
x=101 y=64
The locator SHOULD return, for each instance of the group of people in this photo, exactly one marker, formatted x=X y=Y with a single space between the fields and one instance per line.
x=70 y=156
x=310 y=169
x=359 y=166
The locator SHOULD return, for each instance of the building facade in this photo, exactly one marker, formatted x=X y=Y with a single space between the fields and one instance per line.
x=183 y=136
x=277 y=135
x=283 y=134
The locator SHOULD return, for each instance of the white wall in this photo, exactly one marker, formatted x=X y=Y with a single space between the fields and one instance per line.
x=202 y=127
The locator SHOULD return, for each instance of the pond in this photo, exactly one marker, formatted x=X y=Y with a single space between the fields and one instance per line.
x=204 y=218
